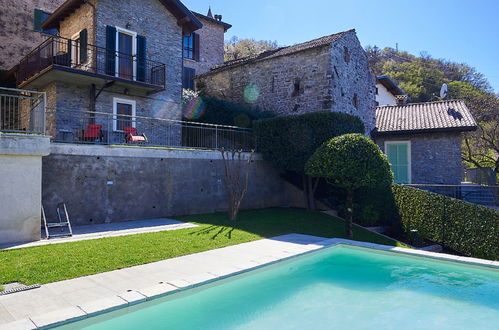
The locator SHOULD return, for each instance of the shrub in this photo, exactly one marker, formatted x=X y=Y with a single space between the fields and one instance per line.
x=350 y=161
x=464 y=227
x=217 y=111
x=288 y=141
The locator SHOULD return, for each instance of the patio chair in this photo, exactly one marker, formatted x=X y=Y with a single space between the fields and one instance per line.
x=61 y=222
x=92 y=133
x=131 y=135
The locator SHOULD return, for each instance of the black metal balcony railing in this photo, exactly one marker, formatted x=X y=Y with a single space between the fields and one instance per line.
x=88 y=127
x=67 y=53
x=471 y=193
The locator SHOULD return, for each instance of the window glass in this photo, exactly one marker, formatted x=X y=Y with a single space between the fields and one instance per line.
x=189 y=46
x=125 y=120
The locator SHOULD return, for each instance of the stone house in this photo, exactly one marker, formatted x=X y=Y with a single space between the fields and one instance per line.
x=423 y=140
x=113 y=62
x=204 y=48
x=329 y=73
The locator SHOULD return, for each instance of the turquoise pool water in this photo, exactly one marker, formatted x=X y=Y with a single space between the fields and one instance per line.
x=337 y=288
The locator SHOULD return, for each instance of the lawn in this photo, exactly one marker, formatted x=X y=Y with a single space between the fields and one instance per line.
x=50 y=263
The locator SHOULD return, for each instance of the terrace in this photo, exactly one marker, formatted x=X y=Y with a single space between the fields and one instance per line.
x=65 y=60
x=25 y=112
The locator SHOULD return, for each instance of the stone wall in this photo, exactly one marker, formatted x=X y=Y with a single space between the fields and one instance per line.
x=105 y=184
x=435 y=157
x=17 y=37
x=211 y=47
x=321 y=78
x=20 y=186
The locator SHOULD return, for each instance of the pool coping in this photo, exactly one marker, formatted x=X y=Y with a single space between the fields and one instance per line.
x=123 y=300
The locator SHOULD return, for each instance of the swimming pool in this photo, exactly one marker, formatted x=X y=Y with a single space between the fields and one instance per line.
x=339 y=287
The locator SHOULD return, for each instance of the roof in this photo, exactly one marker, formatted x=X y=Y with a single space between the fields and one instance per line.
x=452 y=115
x=226 y=26
x=390 y=85
x=282 y=51
x=184 y=16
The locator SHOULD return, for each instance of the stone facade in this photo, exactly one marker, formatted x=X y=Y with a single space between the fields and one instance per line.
x=17 y=34
x=211 y=46
x=435 y=157
x=334 y=77
x=148 y=18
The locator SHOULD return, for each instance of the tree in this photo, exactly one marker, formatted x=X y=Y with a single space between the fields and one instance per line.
x=239 y=48
x=287 y=142
x=350 y=161
x=236 y=178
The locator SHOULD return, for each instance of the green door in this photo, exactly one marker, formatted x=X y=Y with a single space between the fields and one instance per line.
x=398 y=154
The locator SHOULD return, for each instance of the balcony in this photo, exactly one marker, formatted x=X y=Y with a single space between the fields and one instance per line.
x=63 y=60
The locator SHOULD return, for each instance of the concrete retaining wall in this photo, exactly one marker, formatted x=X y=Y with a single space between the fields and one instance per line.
x=106 y=184
x=20 y=186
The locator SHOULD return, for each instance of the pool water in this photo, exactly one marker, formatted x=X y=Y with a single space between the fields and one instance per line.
x=338 y=288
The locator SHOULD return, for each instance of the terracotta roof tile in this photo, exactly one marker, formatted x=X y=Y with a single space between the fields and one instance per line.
x=428 y=116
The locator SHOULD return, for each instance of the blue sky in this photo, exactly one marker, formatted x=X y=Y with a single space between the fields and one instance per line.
x=458 y=30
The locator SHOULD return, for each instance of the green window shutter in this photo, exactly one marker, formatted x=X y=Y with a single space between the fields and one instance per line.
x=38 y=20
x=398 y=157
x=141 y=58
x=110 y=50
x=83 y=45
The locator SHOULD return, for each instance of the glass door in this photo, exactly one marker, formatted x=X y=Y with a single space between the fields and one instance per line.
x=126 y=60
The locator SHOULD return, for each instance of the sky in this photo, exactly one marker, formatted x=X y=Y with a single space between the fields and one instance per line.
x=464 y=31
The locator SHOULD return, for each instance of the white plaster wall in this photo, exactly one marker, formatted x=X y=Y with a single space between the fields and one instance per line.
x=384 y=97
x=21 y=187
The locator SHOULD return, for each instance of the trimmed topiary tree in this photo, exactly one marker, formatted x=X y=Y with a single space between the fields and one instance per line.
x=350 y=161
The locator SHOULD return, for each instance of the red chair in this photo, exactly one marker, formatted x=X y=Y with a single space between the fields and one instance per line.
x=92 y=133
x=132 y=136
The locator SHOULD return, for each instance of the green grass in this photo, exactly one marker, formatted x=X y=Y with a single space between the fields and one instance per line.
x=55 y=262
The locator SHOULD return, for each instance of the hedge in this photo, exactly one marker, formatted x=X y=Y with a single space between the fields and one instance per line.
x=217 y=111
x=288 y=141
x=470 y=229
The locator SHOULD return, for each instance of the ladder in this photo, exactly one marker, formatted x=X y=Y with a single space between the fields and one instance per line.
x=62 y=223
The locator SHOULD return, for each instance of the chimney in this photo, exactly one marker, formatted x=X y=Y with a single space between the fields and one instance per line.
x=218 y=18
x=210 y=15
x=402 y=99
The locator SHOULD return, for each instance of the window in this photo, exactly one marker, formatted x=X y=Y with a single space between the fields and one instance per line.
x=191 y=46
x=39 y=17
x=399 y=157
x=346 y=55
x=75 y=51
x=377 y=91
x=124 y=114
x=188 y=75
x=126 y=46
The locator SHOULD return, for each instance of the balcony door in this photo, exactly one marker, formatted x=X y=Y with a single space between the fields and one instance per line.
x=126 y=51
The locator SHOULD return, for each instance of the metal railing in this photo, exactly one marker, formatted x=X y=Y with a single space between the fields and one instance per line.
x=70 y=126
x=472 y=193
x=22 y=111
x=68 y=53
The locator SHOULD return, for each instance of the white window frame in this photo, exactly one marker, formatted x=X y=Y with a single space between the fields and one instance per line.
x=75 y=51
x=133 y=34
x=409 y=155
x=117 y=100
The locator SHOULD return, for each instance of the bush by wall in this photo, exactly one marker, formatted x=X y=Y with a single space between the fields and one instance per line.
x=288 y=141
x=217 y=111
x=464 y=227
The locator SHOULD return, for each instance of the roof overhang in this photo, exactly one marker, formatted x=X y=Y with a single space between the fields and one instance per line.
x=390 y=85
x=375 y=132
x=185 y=18
x=226 y=26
